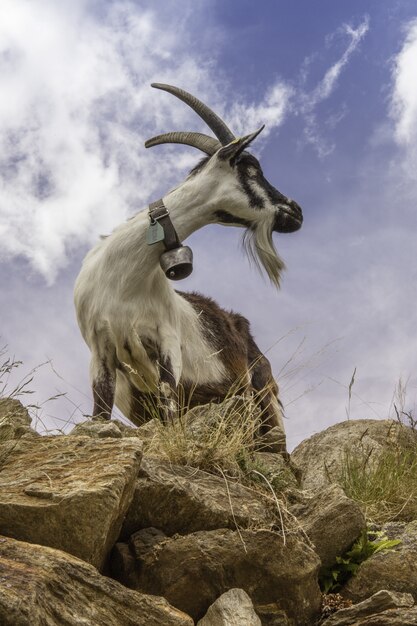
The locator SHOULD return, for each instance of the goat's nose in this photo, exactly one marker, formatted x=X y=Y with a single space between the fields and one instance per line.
x=294 y=207
x=288 y=220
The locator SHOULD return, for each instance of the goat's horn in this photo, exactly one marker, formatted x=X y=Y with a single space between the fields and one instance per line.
x=207 y=144
x=219 y=128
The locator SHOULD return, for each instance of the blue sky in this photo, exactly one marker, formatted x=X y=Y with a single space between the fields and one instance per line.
x=336 y=85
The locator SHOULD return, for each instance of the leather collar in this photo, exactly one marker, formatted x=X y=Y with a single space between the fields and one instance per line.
x=159 y=213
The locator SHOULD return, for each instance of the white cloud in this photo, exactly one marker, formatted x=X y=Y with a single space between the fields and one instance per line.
x=329 y=81
x=271 y=110
x=309 y=101
x=404 y=98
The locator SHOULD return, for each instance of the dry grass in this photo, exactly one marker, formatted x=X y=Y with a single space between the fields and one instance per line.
x=384 y=482
x=210 y=437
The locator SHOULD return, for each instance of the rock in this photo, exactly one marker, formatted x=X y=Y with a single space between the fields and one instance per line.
x=211 y=562
x=331 y=520
x=394 y=569
x=44 y=587
x=272 y=615
x=144 y=541
x=149 y=430
x=97 y=429
x=126 y=559
x=384 y=608
x=132 y=431
x=392 y=617
x=15 y=420
x=321 y=456
x=202 y=418
x=123 y=565
x=181 y=499
x=70 y=493
x=233 y=608
x=274 y=440
x=276 y=469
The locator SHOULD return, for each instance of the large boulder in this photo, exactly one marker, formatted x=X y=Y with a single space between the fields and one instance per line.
x=394 y=569
x=70 y=493
x=42 y=586
x=384 y=608
x=192 y=571
x=181 y=499
x=331 y=520
x=233 y=608
x=320 y=458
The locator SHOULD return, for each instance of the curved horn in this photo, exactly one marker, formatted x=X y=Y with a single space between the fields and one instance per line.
x=219 y=128
x=207 y=144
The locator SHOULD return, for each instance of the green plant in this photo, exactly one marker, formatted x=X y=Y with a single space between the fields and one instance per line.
x=332 y=578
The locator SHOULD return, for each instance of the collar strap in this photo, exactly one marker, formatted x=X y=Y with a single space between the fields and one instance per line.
x=159 y=213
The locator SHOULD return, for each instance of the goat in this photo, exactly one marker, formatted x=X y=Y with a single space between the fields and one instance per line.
x=146 y=339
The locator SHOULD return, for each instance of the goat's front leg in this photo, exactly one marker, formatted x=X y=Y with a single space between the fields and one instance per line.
x=168 y=397
x=103 y=379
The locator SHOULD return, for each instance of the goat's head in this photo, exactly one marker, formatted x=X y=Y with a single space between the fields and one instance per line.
x=237 y=192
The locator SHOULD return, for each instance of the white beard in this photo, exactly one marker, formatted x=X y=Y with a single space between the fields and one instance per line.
x=260 y=249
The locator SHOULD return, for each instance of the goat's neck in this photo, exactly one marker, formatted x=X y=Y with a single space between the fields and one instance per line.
x=188 y=207
x=141 y=269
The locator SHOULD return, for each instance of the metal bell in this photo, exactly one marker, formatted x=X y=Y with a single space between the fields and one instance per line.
x=177 y=263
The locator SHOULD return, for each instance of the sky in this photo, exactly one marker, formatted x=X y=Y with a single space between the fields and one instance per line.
x=336 y=86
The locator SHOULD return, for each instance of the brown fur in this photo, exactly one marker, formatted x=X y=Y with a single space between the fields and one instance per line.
x=248 y=370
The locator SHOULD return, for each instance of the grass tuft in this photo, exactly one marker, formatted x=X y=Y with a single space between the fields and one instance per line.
x=210 y=437
x=383 y=482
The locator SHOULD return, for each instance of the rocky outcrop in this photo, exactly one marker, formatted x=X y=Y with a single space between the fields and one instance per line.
x=45 y=587
x=69 y=493
x=395 y=570
x=269 y=568
x=320 y=457
x=233 y=608
x=182 y=544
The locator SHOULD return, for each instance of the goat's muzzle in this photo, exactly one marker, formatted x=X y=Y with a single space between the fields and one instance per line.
x=288 y=218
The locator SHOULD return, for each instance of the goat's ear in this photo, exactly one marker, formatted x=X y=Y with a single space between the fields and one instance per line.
x=235 y=147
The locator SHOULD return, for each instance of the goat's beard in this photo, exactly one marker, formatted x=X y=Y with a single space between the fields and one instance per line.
x=259 y=247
